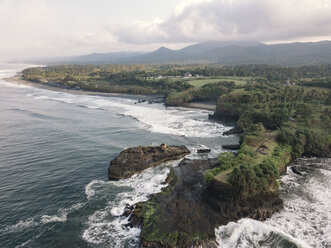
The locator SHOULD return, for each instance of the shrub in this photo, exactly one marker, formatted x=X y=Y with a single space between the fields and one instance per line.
x=208 y=177
x=226 y=160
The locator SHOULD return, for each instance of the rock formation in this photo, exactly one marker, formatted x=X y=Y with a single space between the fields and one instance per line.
x=137 y=159
x=186 y=213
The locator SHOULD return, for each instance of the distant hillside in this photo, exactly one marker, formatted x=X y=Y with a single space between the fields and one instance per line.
x=219 y=52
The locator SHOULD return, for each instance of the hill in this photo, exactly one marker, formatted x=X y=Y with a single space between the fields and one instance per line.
x=214 y=52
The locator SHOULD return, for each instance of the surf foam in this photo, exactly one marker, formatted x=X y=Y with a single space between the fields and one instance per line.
x=305 y=220
x=107 y=225
x=155 y=118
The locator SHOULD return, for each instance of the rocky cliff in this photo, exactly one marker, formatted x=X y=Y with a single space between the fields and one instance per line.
x=137 y=159
x=186 y=213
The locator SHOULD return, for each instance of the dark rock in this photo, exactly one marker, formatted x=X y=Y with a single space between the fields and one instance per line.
x=186 y=213
x=226 y=111
x=171 y=104
x=231 y=147
x=235 y=130
x=294 y=170
x=206 y=150
x=135 y=160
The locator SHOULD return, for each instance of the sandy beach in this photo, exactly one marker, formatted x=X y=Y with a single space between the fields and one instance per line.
x=18 y=80
x=200 y=105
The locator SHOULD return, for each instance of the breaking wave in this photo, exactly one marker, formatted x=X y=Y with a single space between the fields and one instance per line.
x=156 y=118
x=107 y=225
x=305 y=220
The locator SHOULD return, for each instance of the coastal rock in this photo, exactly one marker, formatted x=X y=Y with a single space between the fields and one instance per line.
x=235 y=130
x=226 y=111
x=186 y=212
x=205 y=150
x=231 y=147
x=294 y=170
x=135 y=160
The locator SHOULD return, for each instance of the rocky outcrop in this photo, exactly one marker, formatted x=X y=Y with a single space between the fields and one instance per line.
x=186 y=213
x=137 y=159
x=235 y=130
x=223 y=110
x=204 y=150
x=294 y=170
x=231 y=147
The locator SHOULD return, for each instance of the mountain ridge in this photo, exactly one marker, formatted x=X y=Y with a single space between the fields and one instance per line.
x=218 y=52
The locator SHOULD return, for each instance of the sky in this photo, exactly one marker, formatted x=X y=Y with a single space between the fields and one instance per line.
x=51 y=28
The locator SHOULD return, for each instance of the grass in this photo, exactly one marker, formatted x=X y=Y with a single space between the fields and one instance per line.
x=224 y=175
x=249 y=152
x=201 y=82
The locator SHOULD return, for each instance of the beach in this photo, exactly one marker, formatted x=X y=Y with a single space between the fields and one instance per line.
x=17 y=79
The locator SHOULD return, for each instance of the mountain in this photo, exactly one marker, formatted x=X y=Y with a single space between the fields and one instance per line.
x=94 y=58
x=102 y=57
x=208 y=45
x=220 y=52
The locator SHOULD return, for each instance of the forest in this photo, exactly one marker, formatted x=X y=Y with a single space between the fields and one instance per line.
x=280 y=123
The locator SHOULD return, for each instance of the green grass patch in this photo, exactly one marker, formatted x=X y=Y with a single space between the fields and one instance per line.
x=199 y=82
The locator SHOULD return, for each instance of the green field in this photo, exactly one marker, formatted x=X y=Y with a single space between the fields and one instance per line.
x=199 y=82
x=264 y=139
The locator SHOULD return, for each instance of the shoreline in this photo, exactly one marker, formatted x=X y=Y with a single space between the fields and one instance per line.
x=200 y=105
x=17 y=79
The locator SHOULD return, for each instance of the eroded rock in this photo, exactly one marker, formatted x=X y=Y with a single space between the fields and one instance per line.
x=137 y=159
x=235 y=130
x=186 y=213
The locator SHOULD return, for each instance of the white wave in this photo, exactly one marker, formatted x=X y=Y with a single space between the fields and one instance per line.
x=9 y=70
x=114 y=233
x=21 y=225
x=59 y=99
x=54 y=218
x=107 y=225
x=156 y=118
x=62 y=214
x=14 y=85
x=93 y=107
x=176 y=121
x=305 y=220
x=89 y=188
x=307 y=205
x=252 y=233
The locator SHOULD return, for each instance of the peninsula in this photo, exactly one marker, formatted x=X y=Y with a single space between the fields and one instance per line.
x=283 y=113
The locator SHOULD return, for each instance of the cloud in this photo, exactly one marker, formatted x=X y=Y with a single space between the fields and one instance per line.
x=266 y=20
x=43 y=28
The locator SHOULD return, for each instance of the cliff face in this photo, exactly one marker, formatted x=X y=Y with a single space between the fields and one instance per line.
x=226 y=111
x=137 y=159
x=186 y=213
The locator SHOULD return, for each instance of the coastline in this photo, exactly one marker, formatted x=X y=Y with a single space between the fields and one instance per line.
x=200 y=105
x=17 y=79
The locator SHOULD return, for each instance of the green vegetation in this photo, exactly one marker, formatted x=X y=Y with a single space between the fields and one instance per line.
x=284 y=111
x=200 y=82
x=280 y=123
x=168 y=80
x=152 y=233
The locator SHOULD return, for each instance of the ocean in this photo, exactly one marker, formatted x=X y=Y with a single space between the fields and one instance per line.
x=55 y=149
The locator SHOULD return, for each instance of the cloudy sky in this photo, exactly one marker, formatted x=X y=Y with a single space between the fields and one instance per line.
x=39 y=28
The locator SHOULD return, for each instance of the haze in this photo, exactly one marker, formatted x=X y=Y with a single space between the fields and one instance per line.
x=48 y=28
